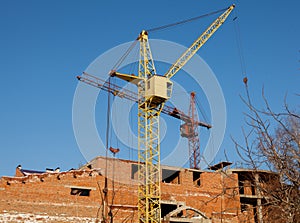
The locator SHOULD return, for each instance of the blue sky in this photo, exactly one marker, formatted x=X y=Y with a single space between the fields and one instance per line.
x=45 y=44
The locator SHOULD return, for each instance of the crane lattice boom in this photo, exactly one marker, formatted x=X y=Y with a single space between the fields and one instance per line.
x=187 y=55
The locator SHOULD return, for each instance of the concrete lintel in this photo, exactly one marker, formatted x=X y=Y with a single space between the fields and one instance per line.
x=80 y=187
x=251 y=196
x=171 y=168
x=178 y=203
x=241 y=170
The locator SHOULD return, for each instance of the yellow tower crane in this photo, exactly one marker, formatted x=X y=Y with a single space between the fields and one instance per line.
x=153 y=92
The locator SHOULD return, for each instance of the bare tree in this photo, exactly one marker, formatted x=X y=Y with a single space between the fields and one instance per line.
x=272 y=142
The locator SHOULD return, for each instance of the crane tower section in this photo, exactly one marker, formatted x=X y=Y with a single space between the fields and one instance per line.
x=189 y=130
x=150 y=103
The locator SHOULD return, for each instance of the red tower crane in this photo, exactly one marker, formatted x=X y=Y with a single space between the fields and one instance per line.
x=190 y=131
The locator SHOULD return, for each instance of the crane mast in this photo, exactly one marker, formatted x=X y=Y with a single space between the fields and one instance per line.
x=148 y=140
x=189 y=130
x=194 y=142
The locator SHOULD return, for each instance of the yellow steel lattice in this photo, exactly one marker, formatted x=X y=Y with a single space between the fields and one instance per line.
x=148 y=142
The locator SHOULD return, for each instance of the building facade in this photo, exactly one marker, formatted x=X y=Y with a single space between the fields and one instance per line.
x=105 y=190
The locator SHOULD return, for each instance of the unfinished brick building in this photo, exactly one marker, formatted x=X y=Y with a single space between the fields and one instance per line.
x=188 y=195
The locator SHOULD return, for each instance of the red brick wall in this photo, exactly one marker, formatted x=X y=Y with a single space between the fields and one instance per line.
x=49 y=194
x=217 y=192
